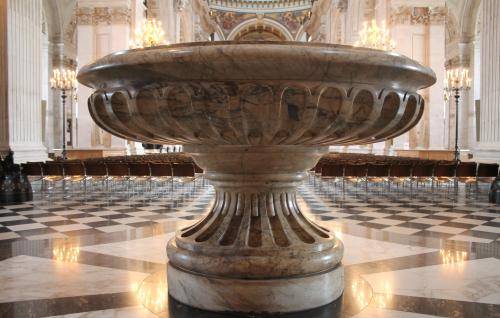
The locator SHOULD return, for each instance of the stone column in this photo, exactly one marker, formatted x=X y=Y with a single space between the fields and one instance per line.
x=419 y=32
x=21 y=76
x=168 y=19
x=101 y=31
x=4 y=108
x=356 y=15
x=488 y=148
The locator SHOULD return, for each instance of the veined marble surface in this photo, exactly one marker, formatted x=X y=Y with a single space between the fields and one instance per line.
x=150 y=249
x=386 y=313
x=231 y=60
x=25 y=278
x=473 y=280
x=128 y=312
x=243 y=93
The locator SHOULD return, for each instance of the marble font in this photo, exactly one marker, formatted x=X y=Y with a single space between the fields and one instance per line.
x=255 y=117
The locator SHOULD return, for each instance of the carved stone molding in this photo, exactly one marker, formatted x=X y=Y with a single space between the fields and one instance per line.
x=64 y=61
x=236 y=113
x=181 y=4
x=103 y=15
x=418 y=15
x=457 y=61
x=341 y=5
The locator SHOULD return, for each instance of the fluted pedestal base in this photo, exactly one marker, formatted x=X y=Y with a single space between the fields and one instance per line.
x=255 y=251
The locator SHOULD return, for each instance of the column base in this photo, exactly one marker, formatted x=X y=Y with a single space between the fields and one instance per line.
x=287 y=294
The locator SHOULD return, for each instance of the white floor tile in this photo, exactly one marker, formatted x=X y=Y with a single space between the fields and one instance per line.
x=151 y=249
x=485 y=228
x=386 y=313
x=24 y=227
x=475 y=280
x=26 y=277
x=70 y=227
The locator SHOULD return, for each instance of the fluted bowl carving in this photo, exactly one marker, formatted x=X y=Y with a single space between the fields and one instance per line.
x=265 y=93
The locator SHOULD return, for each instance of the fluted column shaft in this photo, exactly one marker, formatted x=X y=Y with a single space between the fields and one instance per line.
x=489 y=138
x=22 y=25
x=4 y=114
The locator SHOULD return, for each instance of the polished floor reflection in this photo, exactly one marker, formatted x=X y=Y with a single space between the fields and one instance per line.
x=407 y=254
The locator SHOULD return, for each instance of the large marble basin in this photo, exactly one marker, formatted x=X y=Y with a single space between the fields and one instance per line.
x=227 y=93
x=255 y=117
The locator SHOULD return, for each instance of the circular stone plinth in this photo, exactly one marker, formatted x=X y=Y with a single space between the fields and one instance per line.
x=245 y=295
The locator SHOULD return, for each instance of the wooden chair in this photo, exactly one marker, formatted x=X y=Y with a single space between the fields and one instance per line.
x=332 y=172
x=96 y=171
x=184 y=173
x=140 y=172
x=422 y=173
x=354 y=173
x=377 y=173
x=466 y=173
x=399 y=173
x=161 y=173
x=444 y=173
x=52 y=174
x=486 y=173
x=33 y=170
x=118 y=174
x=74 y=173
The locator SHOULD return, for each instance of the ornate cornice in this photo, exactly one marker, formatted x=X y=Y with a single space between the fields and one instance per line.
x=64 y=61
x=103 y=15
x=260 y=6
x=418 y=15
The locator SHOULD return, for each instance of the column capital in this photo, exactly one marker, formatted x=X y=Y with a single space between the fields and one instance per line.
x=460 y=54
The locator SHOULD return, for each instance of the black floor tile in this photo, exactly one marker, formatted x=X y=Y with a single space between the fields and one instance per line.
x=458 y=225
x=17 y=222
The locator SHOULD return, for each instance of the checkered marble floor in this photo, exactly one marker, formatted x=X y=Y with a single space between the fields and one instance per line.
x=76 y=214
x=440 y=214
x=407 y=254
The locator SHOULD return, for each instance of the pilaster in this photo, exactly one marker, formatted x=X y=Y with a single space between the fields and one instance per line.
x=24 y=67
x=103 y=27
x=4 y=85
x=488 y=148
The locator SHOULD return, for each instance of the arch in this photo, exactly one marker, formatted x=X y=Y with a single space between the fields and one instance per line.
x=219 y=34
x=468 y=18
x=265 y=24
x=301 y=34
x=53 y=20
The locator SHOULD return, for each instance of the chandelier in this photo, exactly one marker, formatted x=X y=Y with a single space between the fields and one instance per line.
x=457 y=79
x=63 y=79
x=375 y=37
x=149 y=33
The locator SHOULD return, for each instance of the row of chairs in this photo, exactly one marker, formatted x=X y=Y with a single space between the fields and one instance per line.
x=345 y=158
x=435 y=174
x=158 y=158
x=114 y=174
